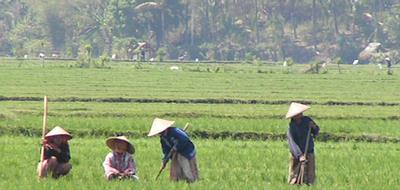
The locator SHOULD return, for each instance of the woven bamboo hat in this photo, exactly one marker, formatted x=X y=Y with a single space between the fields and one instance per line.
x=296 y=108
x=159 y=125
x=58 y=131
x=112 y=140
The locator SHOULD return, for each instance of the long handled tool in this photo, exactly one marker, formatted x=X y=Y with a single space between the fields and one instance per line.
x=44 y=131
x=300 y=176
x=169 y=155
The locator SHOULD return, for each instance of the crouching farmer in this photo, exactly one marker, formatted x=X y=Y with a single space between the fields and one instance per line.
x=56 y=154
x=301 y=133
x=177 y=146
x=119 y=164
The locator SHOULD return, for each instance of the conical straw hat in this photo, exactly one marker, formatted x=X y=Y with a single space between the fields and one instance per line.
x=296 y=108
x=159 y=125
x=58 y=131
x=111 y=141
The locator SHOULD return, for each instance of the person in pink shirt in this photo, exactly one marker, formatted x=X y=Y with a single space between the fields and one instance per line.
x=119 y=164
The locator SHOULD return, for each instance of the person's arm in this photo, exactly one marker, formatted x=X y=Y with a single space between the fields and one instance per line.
x=107 y=164
x=131 y=169
x=165 y=148
x=293 y=147
x=50 y=151
x=314 y=127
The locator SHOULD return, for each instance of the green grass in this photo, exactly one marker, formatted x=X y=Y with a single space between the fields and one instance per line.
x=223 y=165
x=361 y=84
x=137 y=117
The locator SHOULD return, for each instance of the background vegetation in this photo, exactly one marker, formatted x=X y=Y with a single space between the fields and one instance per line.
x=274 y=30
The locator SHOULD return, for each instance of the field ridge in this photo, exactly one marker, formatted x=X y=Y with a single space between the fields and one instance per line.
x=200 y=115
x=199 y=101
x=323 y=136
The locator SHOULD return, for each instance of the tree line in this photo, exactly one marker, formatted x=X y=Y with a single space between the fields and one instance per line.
x=274 y=30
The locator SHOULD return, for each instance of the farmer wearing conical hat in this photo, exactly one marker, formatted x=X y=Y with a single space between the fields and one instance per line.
x=176 y=145
x=302 y=159
x=119 y=164
x=56 y=154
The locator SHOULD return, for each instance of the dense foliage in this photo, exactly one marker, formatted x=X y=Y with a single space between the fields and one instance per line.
x=200 y=29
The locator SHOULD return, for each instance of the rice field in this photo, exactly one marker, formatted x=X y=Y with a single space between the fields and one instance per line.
x=240 y=82
x=136 y=117
x=224 y=164
x=237 y=117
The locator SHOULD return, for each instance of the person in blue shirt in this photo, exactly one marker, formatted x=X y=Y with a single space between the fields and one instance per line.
x=177 y=146
x=300 y=127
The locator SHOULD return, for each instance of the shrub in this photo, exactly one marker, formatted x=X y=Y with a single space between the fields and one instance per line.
x=249 y=57
x=103 y=59
x=85 y=57
x=161 y=54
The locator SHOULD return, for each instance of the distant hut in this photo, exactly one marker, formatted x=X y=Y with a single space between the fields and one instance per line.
x=148 y=6
x=366 y=54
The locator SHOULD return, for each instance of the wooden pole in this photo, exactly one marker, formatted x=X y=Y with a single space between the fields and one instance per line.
x=44 y=131
x=44 y=127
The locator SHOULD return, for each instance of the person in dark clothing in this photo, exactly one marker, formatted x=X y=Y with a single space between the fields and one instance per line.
x=183 y=158
x=142 y=54
x=299 y=128
x=56 y=154
x=389 y=66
